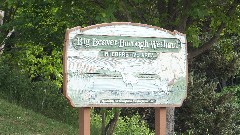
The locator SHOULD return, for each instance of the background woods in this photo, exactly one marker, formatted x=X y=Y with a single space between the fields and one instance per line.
x=32 y=37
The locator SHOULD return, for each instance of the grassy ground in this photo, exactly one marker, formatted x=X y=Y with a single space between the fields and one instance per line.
x=17 y=120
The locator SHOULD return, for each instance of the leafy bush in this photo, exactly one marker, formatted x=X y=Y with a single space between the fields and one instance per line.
x=44 y=97
x=132 y=126
x=207 y=112
x=125 y=125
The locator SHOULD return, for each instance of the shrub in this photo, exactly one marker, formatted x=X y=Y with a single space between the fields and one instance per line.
x=125 y=125
x=207 y=112
x=44 y=97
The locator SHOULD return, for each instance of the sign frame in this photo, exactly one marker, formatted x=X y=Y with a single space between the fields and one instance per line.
x=175 y=34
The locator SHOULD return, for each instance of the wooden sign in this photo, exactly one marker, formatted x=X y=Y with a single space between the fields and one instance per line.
x=125 y=65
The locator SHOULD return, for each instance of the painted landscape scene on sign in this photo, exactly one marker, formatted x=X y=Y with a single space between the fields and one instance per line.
x=125 y=66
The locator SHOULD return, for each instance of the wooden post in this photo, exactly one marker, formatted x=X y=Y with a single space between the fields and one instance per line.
x=160 y=121
x=84 y=121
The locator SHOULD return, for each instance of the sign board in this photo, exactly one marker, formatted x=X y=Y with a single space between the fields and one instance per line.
x=125 y=65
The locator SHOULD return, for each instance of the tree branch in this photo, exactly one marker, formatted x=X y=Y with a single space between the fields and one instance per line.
x=172 y=13
x=1 y=17
x=112 y=124
x=124 y=7
x=206 y=46
x=139 y=14
x=99 y=3
x=161 y=7
x=184 y=16
x=2 y=45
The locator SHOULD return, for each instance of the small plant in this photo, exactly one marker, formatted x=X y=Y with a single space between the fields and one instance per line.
x=125 y=125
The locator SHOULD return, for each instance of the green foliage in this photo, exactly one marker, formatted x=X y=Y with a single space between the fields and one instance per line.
x=132 y=126
x=40 y=25
x=125 y=125
x=43 y=97
x=37 y=44
x=193 y=33
x=207 y=112
x=221 y=63
x=18 y=120
x=35 y=61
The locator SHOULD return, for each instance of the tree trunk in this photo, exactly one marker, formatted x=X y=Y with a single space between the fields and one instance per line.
x=1 y=17
x=103 y=122
x=1 y=23
x=109 y=129
x=112 y=124
x=170 y=121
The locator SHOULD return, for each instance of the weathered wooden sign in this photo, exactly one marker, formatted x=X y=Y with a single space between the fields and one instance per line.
x=125 y=65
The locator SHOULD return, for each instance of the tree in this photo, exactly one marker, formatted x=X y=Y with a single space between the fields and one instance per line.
x=206 y=111
x=37 y=43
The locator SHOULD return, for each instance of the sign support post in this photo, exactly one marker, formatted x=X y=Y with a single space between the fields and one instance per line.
x=84 y=121
x=160 y=121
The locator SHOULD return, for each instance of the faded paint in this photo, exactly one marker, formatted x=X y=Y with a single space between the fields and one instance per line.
x=128 y=76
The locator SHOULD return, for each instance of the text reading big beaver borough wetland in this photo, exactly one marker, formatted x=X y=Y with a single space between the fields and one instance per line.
x=126 y=43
